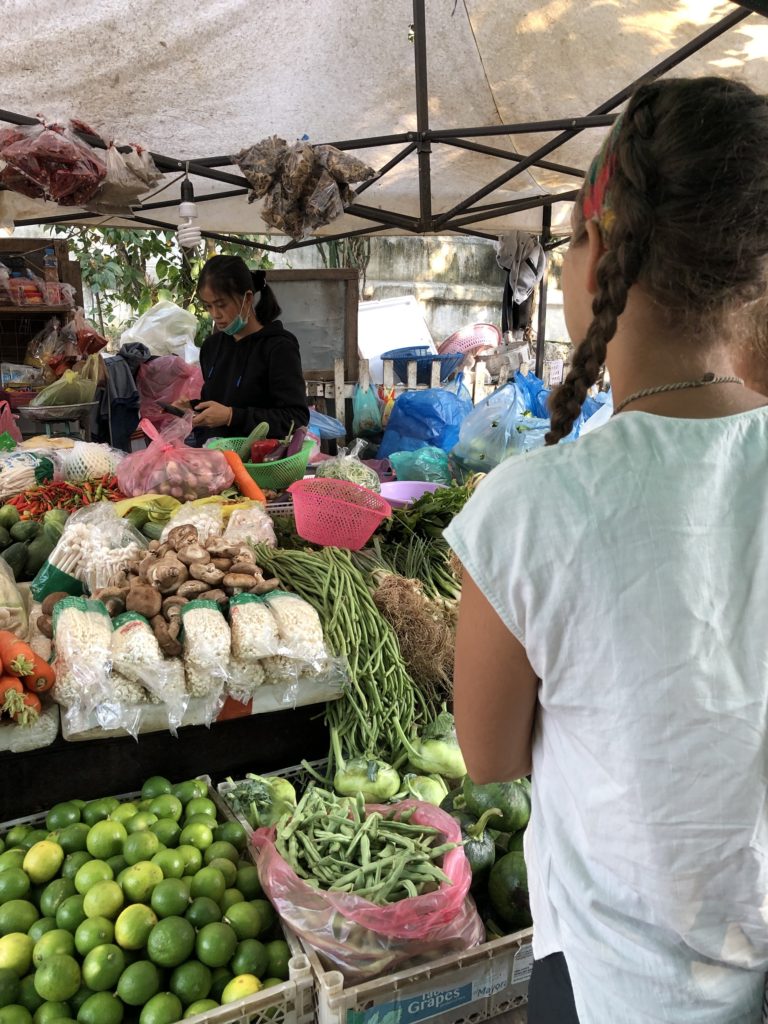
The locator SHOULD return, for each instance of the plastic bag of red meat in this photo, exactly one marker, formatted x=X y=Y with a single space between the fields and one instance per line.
x=50 y=162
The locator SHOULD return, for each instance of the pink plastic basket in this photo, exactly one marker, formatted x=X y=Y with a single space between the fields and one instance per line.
x=470 y=338
x=336 y=513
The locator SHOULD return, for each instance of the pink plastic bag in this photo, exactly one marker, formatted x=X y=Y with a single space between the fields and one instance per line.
x=168 y=466
x=170 y=380
x=361 y=939
x=8 y=423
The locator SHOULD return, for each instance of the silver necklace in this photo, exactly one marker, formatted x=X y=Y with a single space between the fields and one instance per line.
x=705 y=381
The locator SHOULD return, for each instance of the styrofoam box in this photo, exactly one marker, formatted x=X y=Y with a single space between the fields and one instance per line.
x=455 y=989
x=292 y=1002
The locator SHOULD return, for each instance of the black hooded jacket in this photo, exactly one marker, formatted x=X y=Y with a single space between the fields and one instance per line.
x=260 y=376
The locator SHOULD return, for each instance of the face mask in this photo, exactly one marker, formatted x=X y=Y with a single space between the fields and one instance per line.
x=238 y=323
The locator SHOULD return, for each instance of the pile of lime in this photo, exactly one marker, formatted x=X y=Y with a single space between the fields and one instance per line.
x=143 y=911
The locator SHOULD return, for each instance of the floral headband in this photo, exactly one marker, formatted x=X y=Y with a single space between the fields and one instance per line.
x=596 y=197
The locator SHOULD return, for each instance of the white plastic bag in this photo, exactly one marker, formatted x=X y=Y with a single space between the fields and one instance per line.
x=166 y=329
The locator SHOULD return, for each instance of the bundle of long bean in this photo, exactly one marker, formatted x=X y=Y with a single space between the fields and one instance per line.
x=333 y=844
x=381 y=690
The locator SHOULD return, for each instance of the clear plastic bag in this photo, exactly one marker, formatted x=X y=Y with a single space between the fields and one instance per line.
x=364 y=940
x=348 y=465
x=166 y=329
x=46 y=345
x=136 y=656
x=299 y=628
x=366 y=412
x=82 y=632
x=255 y=632
x=489 y=434
x=325 y=427
x=251 y=526
x=168 y=466
x=208 y=520
x=13 y=607
x=244 y=680
x=50 y=162
x=326 y=202
x=260 y=163
x=432 y=417
x=89 y=341
x=207 y=644
x=70 y=389
x=129 y=176
x=167 y=380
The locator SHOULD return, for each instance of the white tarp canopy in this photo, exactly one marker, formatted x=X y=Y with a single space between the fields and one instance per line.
x=191 y=81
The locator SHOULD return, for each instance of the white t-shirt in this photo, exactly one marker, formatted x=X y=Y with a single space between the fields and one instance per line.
x=633 y=567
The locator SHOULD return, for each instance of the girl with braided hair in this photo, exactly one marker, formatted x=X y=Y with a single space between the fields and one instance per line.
x=612 y=638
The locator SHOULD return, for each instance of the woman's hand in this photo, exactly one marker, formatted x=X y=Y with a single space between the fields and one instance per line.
x=212 y=414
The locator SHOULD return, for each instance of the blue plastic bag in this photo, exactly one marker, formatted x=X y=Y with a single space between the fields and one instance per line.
x=324 y=427
x=421 y=418
x=366 y=412
x=535 y=395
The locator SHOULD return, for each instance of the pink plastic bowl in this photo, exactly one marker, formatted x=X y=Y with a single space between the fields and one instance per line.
x=402 y=493
x=336 y=513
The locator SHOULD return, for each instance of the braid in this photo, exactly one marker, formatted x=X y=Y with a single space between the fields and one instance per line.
x=618 y=269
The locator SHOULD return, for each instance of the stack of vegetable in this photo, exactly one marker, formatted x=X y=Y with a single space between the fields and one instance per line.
x=25 y=544
x=32 y=503
x=25 y=676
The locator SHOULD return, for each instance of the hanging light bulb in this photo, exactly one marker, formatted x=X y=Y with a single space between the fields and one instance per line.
x=6 y=225
x=188 y=232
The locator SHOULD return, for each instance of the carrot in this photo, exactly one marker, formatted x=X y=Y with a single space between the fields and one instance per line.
x=16 y=656
x=11 y=695
x=245 y=483
x=30 y=710
x=42 y=677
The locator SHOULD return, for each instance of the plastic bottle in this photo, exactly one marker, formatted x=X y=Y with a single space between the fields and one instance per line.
x=50 y=266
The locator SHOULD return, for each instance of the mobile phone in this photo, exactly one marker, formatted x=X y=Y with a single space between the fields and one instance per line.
x=171 y=409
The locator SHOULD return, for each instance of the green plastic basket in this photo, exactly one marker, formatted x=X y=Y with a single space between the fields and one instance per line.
x=270 y=476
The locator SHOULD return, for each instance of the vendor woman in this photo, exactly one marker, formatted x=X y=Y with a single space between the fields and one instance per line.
x=251 y=365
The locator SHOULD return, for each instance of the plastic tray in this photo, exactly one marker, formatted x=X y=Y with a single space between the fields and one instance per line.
x=402 y=493
x=455 y=989
x=270 y=476
x=59 y=413
x=292 y=1002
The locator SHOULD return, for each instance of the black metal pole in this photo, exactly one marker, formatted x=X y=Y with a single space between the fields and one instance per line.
x=395 y=220
x=478 y=147
x=541 y=330
x=386 y=168
x=422 y=115
x=656 y=71
x=513 y=207
x=525 y=127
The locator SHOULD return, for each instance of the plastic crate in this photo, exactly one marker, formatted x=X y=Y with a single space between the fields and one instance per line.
x=270 y=476
x=297 y=774
x=455 y=989
x=292 y=1002
x=424 y=359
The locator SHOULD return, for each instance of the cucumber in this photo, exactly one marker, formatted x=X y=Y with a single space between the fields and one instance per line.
x=25 y=531
x=152 y=531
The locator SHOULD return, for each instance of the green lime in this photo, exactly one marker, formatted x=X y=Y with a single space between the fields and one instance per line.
x=200 y=805
x=227 y=868
x=54 y=943
x=101 y=1008
x=104 y=899
x=231 y=832
x=73 y=838
x=90 y=873
x=52 y=1011
x=190 y=790
x=268 y=915
x=171 y=897
x=200 y=836
x=73 y=862
x=171 y=942
x=61 y=815
x=57 y=978
x=202 y=911
x=248 y=881
x=164 y=1008
x=96 y=810
x=278 y=953
x=14 y=884
x=54 y=894
x=93 y=932
x=201 y=1006
x=9 y=986
x=43 y=861
x=167 y=832
x=155 y=786
x=41 y=926
x=250 y=958
x=138 y=983
x=230 y=898
x=208 y=882
x=106 y=839
x=70 y=913
x=124 y=812
x=223 y=850
x=200 y=819
x=16 y=835
x=14 y=858
x=140 y=822
x=221 y=978
x=216 y=943
x=193 y=859
x=79 y=998
x=28 y=996
x=191 y=981
x=133 y=926
x=272 y=982
x=15 y=1014
x=140 y=846
x=118 y=863
x=241 y=986
x=245 y=919
x=37 y=835
x=103 y=966
x=167 y=806
x=170 y=862
x=17 y=916
x=140 y=879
